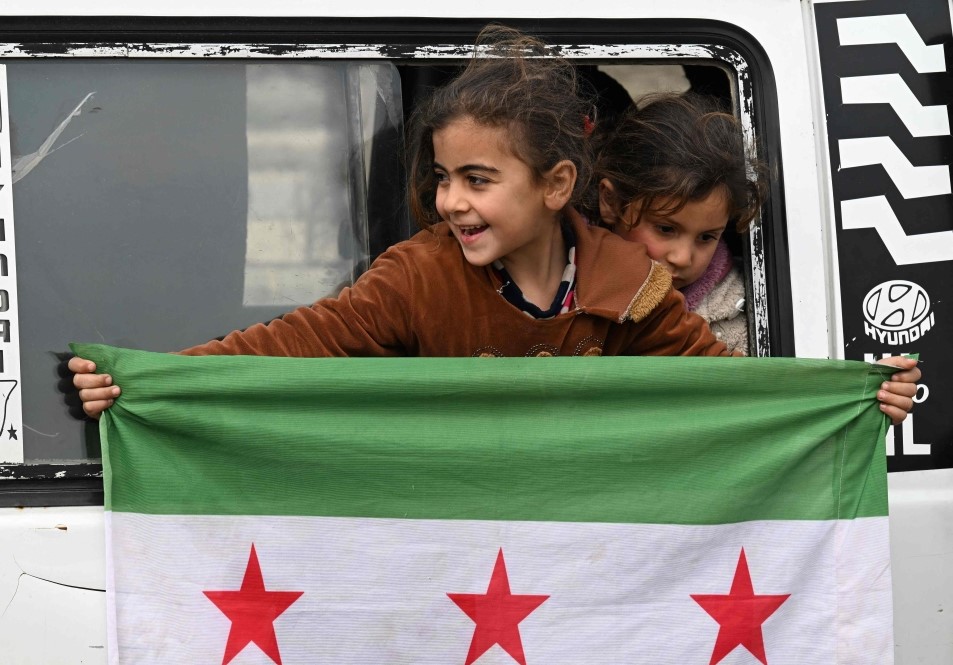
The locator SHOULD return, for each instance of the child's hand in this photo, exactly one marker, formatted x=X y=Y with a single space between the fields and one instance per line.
x=96 y=391
x=896 y=395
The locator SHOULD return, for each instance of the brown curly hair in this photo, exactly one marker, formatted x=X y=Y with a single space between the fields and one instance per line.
x=512 y=81
x=677 y=149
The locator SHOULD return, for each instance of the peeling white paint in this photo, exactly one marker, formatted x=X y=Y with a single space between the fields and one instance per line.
x=348 y=51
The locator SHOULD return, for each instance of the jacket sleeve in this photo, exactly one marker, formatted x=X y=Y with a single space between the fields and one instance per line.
x=671 y=330
x=372 y=318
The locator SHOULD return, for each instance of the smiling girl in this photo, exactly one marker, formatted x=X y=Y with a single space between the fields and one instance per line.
x=499 y=159
x=505 y=266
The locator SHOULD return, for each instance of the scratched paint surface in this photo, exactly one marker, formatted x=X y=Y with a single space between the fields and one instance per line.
x=52 y=586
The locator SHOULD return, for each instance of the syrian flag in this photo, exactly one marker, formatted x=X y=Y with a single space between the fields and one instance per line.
x=564 y=511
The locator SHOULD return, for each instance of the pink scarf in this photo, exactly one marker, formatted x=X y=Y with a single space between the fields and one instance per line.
x=719 y=266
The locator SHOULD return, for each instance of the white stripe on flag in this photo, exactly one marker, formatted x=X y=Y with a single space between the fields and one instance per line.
x=375 y=590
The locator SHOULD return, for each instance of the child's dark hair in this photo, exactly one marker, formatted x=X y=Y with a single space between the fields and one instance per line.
x=677 y=149
x=515 y=82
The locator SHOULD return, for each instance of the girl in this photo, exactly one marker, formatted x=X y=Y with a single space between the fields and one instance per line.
x=673 y=176
x=505 y=266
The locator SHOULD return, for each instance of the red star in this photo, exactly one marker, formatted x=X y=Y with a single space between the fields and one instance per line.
x=252 y=611
x=497 y=614
x=740 y=615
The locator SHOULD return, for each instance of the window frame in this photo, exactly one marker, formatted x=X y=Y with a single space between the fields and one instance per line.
x=404 y=41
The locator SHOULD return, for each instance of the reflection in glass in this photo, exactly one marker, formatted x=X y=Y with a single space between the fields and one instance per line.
x=184 y=200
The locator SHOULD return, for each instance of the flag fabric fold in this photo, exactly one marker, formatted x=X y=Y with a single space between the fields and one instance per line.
x=507 y=510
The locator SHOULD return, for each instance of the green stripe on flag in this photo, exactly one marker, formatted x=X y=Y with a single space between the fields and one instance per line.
x=650 y=440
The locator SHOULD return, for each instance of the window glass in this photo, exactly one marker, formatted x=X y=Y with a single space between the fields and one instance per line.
x=159 y=204
x=162 y=203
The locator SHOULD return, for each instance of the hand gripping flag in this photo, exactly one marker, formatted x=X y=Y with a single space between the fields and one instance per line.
x=564 y=511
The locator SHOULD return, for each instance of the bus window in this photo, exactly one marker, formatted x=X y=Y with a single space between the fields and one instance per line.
x=181 y=200
x=165 y=193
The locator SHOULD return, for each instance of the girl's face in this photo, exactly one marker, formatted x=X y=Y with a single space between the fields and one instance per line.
x=495 y=206
x=683 y=242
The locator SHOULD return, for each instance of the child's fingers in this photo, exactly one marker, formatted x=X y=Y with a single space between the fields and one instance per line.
x=93 y=395
x=95 y=409
x=907 y=366
x=895 y=414
x=82 y=381
x=910 y=376
x=896 y=399
x=909 y=371
x=905 y=389
x=95 y=390
x=903 y=362
x=79 y=365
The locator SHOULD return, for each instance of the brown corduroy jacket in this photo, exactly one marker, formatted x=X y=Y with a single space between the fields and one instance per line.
x=422 y=298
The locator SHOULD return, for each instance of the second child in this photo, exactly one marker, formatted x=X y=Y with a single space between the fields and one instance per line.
x=673 y=176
